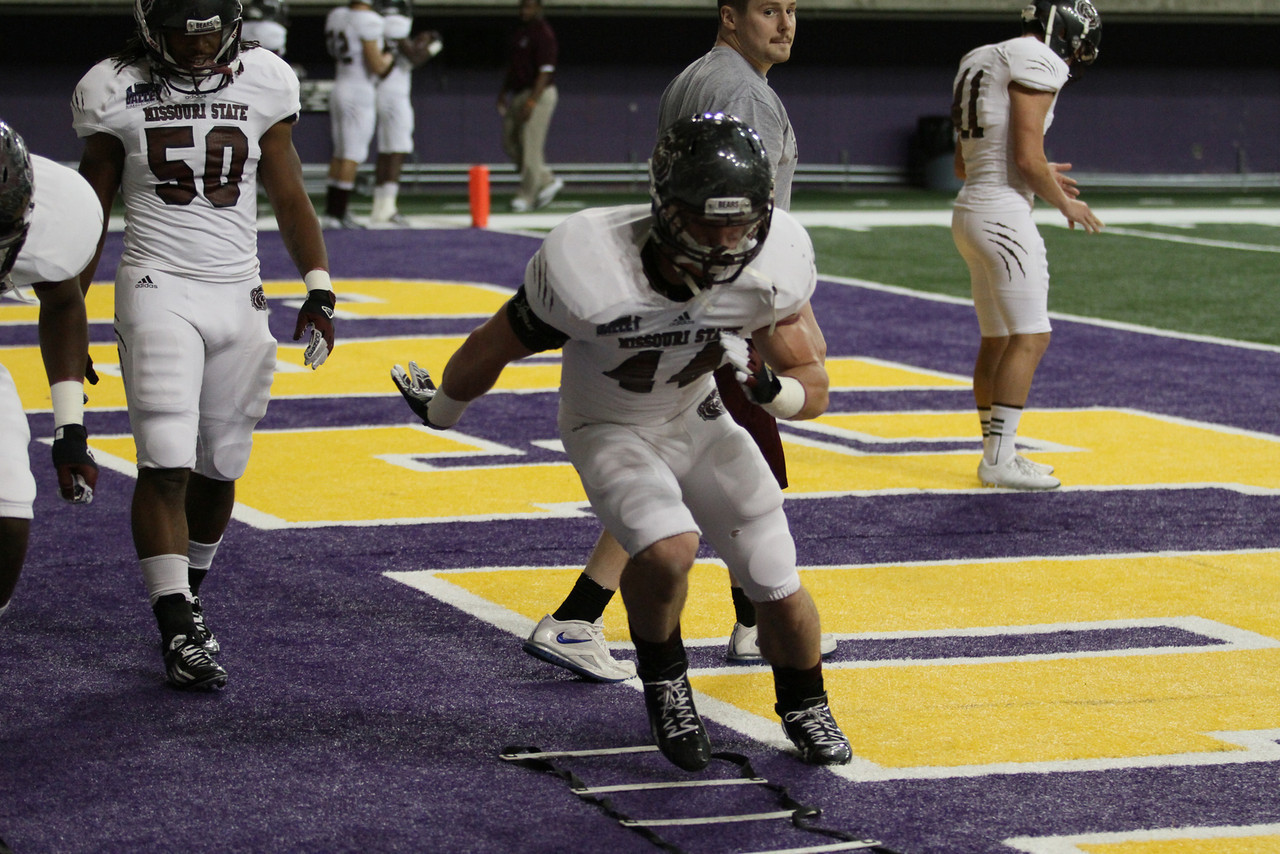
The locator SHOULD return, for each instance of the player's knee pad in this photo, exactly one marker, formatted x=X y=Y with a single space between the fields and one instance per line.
x=225 y=443
x=762 y=557
x=165 y=440
x=223 y=460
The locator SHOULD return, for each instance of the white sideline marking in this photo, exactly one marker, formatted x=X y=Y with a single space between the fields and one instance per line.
x=533 y=224
x=1070 y=844
x=867 y=284
x=1195 y=241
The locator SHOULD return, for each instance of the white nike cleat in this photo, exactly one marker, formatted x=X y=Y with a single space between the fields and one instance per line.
x=1043 y=468
x=578 y=646
x=1017 y=473
x=547 y=193
x=744 y=645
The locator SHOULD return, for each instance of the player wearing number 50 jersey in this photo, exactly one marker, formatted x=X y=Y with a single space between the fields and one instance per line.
x=1003 y=100
x=647 y=303
x=183 y=123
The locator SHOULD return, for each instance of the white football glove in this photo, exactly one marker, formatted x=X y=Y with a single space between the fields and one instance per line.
x=736 y=354
x=317 y=350
x=417 y=388
x=315 y=320
x=757 y=379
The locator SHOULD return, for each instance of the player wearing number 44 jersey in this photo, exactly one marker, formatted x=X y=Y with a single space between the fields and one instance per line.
x=1004 y=95
x=184 y=123
x=647 y=303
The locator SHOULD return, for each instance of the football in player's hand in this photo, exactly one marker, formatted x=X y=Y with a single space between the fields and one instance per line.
x=427 y=42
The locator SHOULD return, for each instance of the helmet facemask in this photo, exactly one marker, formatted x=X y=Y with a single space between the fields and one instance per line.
x=680 y=232
x=159 y=19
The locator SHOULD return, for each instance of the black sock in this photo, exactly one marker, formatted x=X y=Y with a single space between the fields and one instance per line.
x=660 y=661
x=798 y=689
x=173 y=616
x=194 y=577
x=335 y=201
x=586 y=601
x=744 y=609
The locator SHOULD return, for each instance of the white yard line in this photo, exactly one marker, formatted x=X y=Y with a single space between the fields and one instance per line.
x=860 y=219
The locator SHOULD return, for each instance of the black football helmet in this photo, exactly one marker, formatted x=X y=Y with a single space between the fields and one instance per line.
x=1072 y=28
x=394 y=7
x=17 y=188
x=276 y=11
x=710 y=169
x=193 y=17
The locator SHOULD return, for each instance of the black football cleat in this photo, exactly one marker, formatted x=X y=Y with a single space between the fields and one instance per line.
x=815 y=733
x=675 y=723
x=188 y=665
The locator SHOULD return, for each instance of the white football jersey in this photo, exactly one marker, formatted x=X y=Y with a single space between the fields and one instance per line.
x=399 y=79
x=635 y=356
x=980 y=112
x=190 y=184
x=65 y=226
x=345 y=30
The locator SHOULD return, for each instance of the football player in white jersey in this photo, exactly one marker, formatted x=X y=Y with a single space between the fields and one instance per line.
x=267 y=23
x=1004 y=95
x=753 y=36
x=395 y=106
x=647 y=301
x=353 y=34
x=183 y=122
x=49 y=226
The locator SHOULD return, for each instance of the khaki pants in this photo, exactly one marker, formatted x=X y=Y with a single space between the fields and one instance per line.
x=524 y=141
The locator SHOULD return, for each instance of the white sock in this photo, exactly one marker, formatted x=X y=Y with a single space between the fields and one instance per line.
x=165 y=575
x=1001 y=442
x=384 y=201
x=200 y=555
x=984 y=418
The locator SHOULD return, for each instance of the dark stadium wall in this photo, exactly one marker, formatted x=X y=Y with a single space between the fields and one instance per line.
x=1164 y=98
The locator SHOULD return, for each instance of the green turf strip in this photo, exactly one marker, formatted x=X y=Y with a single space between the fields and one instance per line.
x=1205 y=290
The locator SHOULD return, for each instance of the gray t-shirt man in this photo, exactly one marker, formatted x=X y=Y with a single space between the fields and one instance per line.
x=722 y=80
